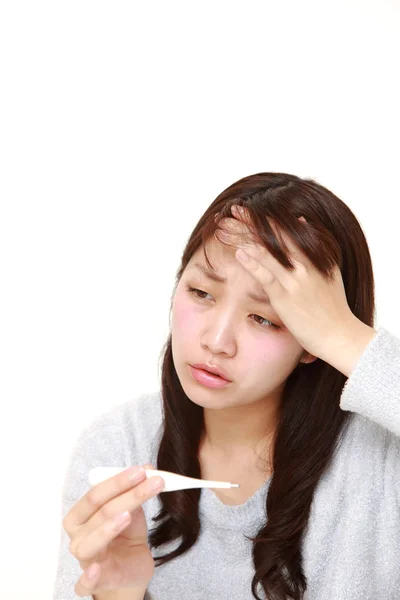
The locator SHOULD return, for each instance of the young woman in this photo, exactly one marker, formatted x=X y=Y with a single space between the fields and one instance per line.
x=304 y=415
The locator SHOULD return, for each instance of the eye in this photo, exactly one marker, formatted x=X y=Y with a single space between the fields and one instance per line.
x=269 y=324
x=195 y=292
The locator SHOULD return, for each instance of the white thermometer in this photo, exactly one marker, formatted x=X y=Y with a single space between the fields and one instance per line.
x=173 y=481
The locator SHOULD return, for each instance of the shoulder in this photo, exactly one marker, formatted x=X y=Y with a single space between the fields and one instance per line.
x=364 y=440
x=141 y=422
x=366 y=457
x=119 y=437
x=142 y=411
x=123 y=427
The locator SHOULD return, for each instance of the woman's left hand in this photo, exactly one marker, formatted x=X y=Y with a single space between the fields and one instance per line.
x=313 y=308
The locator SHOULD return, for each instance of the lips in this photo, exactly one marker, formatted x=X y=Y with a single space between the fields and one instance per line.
x=207 y=378
x=213 y=370
x=215 y=374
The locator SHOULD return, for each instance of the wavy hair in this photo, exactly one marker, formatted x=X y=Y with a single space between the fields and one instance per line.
x=311 y=422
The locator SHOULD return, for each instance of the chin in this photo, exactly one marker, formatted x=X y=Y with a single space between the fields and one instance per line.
x=203 y=396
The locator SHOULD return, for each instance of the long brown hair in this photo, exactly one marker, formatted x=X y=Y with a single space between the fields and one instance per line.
x=310 y=422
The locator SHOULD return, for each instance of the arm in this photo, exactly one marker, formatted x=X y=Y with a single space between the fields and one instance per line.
x=371 y=361
x=345 y=350
x=101 y=443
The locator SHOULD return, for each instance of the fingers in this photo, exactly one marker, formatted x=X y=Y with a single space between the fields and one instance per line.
x=111 y=520
x=86 y=585
x=91 y=545
x=100 y=494
x=97 y=519
x=237 y=232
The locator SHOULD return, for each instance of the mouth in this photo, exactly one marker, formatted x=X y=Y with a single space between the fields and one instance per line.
x=211 y=380
x=212 y=369
x=211 y=373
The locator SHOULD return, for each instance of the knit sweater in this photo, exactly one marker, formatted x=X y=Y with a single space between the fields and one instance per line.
x=351 y=546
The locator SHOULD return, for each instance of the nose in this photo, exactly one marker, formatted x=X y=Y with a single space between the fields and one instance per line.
x=218 y=336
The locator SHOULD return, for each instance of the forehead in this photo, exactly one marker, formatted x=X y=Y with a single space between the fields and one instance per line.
x=221 y=257
x=223 y=262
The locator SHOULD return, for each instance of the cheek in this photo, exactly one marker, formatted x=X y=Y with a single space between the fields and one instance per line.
x=270 y=350
x=182 y=315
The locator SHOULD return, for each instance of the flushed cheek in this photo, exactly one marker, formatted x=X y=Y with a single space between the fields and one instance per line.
x=268 y=352
x=182 y=317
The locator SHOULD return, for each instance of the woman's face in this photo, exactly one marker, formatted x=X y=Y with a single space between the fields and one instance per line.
x=222 y=326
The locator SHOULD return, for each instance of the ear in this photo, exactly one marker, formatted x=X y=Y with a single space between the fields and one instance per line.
x=308 y=358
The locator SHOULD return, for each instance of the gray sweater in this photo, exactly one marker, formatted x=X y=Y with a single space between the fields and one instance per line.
x=351 y=548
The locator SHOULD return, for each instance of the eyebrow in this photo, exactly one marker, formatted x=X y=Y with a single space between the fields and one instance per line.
x=261 y=298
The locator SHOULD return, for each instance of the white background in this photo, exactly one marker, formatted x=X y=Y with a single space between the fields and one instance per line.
x=120 y=122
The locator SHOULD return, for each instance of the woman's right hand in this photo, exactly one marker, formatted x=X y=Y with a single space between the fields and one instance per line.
x=121 y=553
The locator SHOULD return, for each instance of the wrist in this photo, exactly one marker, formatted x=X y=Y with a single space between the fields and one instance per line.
x=346 y=345
x=137 y=593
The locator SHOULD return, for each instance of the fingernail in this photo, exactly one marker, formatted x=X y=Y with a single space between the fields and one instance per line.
x=136 y=473
x=156 y=483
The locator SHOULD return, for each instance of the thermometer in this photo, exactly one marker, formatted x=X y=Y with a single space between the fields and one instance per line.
x=173 y=481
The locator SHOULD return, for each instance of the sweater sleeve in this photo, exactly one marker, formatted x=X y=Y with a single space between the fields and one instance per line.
x=373 y=391
x=99 y=444
x=373 y=388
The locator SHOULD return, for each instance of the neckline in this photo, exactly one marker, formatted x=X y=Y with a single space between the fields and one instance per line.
x=213 y=510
